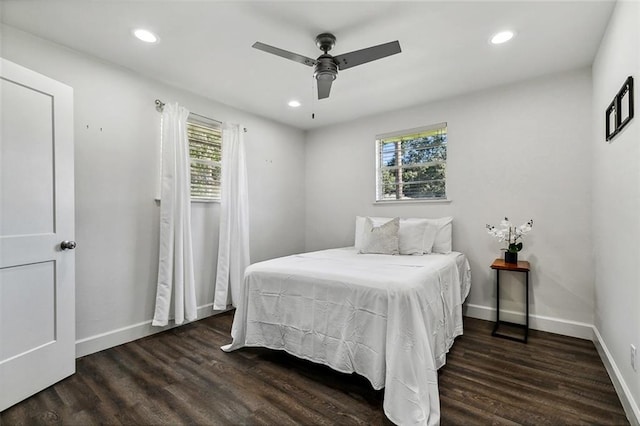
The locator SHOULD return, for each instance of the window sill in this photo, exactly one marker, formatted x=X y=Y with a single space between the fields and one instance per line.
x=438 y=201
x=195 y=200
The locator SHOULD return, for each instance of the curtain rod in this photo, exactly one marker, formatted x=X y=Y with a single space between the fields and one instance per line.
x=160 y=107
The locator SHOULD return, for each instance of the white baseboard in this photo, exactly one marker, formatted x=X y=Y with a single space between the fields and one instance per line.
x=630 y=406
x=129 y=333
x=536 y=322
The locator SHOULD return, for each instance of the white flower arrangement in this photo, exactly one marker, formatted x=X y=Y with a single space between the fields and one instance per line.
x=510 y=233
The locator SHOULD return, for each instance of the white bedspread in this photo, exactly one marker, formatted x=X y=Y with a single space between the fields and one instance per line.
x=391 y=319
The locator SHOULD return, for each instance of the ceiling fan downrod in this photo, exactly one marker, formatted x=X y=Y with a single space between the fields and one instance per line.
x=325 y=41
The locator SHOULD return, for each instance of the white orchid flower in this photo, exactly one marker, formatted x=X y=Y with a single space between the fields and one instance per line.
x=509 y=232
x=524 y=228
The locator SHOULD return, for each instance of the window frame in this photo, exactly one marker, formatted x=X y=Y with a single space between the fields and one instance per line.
x=379 y=168
x=204 y=122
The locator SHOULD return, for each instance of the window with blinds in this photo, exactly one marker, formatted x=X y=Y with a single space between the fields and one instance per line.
x=411 y=164
x=205 y=150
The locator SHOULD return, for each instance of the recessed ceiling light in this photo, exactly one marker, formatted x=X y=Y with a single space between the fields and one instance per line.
x=502 y=37
x=294 y=104
x=145 y=35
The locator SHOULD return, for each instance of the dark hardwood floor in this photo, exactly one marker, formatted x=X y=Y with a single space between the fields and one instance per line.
x=182 y=377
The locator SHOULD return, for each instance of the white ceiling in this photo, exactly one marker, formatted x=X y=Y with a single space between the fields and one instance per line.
x=205 y=47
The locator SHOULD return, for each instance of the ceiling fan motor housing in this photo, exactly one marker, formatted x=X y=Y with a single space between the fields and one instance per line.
x=325 y=68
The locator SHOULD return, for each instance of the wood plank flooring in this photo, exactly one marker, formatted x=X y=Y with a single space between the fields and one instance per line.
x=182 y=377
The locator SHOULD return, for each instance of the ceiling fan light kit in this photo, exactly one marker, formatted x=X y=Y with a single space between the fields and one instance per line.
x=326 y=66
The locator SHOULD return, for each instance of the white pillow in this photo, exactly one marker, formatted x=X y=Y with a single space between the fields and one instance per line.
x=411 y=236
x=382 y=239
x=415 y=235
x=442 y=242
x=429 y=237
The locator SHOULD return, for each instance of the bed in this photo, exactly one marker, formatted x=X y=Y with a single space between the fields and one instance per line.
x=391 y=319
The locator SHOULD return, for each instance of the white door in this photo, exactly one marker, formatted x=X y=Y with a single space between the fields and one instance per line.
x=37 y=294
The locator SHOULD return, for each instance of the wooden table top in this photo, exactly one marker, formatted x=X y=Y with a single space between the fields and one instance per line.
x=522 y=265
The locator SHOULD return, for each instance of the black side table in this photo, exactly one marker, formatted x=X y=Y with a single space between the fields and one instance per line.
x=521 y=266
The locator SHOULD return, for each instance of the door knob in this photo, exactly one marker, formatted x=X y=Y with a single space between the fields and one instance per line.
x=67 y=245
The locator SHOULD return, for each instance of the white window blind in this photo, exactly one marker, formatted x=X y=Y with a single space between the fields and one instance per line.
x=205 y=150
x=411 y=164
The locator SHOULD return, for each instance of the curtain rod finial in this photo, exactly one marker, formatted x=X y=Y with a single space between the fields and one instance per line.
x=159 y=105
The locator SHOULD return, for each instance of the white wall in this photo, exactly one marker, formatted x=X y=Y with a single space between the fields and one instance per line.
x=616 y=200
x=116 y=170
x=520 y=151
x=529 y=150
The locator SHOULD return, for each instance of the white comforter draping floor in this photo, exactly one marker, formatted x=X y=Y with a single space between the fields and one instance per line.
x=391 y=319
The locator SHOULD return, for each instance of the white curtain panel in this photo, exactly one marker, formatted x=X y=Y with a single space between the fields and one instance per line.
x=175 y=269
x=233 y=250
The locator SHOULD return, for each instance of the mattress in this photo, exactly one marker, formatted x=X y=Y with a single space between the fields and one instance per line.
x=391 y=319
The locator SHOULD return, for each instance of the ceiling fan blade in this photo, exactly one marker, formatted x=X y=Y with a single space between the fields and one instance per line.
x=284 y=54
x=324 y=87
x=359 y=57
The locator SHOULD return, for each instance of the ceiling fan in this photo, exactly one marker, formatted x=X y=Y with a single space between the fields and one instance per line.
x=326 y=66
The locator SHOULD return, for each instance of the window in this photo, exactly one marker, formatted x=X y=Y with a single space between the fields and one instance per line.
x=205 y=150
x=411 y=164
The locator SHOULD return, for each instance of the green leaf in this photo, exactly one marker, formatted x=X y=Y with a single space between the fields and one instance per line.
x=514 y=248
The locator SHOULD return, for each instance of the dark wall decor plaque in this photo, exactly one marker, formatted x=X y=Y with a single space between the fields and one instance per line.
x=620 y=110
